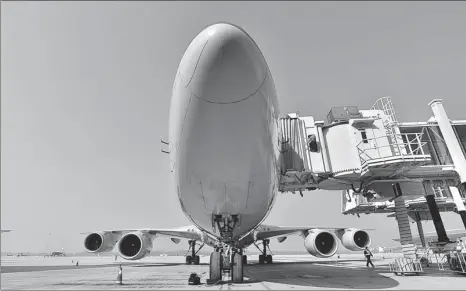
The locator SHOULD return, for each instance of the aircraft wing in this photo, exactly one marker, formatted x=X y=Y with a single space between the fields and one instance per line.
x=267 y=232
x=187 y=233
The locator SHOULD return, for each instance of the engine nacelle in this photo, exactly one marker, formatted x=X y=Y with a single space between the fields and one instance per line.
x=321 y=243
x=99 y=242
x=355 y=239
x=135 y=245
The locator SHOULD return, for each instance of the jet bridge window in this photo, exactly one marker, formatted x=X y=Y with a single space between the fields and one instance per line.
x=364 y=136
x=312 y=143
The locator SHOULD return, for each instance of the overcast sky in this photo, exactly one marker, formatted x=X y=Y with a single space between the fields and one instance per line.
x=86 y=90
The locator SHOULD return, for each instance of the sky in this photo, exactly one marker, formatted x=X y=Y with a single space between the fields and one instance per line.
x=86 y=88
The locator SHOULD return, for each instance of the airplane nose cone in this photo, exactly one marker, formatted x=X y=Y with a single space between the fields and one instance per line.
x=223 y=65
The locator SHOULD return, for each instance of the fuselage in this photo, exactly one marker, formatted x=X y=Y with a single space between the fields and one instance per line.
x=224 y=132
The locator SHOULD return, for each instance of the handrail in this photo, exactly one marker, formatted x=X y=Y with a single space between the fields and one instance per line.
x=406 y=265
x=412 y=147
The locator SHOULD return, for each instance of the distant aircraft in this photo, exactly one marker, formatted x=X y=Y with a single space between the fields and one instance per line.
x=5 y=230
x=224 y=156
x=58 y=254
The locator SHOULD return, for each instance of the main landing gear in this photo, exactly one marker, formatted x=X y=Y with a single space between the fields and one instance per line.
x=264 y=258
x=231 y=262
x=193 y=258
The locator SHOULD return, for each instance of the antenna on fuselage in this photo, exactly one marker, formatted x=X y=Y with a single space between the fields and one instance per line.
x=164 y=142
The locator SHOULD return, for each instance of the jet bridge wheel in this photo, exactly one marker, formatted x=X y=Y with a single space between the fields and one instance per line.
x=269 y=259
x=237 y=275
x=215 y=267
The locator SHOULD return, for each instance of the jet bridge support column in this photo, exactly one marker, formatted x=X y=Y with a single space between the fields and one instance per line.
x=454 y=147
x=434 y=212
x=420 y=230
x=406 y=238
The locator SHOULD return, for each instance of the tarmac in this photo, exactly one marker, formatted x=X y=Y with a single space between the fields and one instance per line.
x=287 y=272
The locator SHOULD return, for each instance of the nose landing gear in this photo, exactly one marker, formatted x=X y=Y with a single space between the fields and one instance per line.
x=231 y=262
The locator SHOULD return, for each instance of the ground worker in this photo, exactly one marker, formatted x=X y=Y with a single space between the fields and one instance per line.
x=368 y=255
x=460 y=247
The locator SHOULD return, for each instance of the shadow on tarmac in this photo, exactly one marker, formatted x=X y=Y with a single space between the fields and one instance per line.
x=318 y=274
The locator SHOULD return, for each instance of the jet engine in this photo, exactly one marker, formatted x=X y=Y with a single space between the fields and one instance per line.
x=99 y=242
x=321 y=243
x=355 y=239
x=135 y=245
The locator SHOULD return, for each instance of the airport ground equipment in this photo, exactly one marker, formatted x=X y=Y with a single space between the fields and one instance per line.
x=457 y=262
x=194 y=279
x=423 y=254
x=442 y=252
x=406 y=266
x=447 y=254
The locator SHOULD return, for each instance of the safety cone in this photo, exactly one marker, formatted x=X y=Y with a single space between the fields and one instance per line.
x=119 y=279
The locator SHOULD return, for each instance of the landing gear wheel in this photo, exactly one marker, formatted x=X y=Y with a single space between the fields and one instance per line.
x=189 y=260
x=237 y=269
x=216 y=267
x=245 y=260
x=196 y=260
x=264 y=258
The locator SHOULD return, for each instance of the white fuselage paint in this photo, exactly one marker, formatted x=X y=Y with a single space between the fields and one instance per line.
x=223 y=130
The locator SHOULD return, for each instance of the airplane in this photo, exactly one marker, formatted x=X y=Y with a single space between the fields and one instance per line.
x=224 y=149
x=5 y=230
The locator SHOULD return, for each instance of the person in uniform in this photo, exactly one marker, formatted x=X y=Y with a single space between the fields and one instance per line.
x=368 y=255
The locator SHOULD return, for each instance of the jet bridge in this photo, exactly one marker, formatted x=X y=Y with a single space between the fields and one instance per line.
x=360 y=149
x=302 y=159
x=380 y=164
